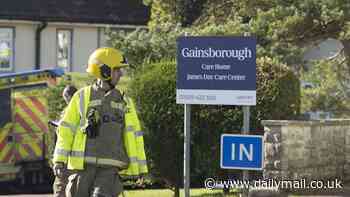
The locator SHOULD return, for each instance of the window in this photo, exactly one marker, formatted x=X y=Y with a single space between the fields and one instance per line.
x=6 y=49
x=5 y=106
x=64 y=48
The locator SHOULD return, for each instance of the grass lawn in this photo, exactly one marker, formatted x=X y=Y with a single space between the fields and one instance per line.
x=169 y=193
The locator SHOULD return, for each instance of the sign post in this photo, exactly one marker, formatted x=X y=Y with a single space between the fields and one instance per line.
x=246 y=123
x=214 y=71
x=187 y=127
x=246 y=118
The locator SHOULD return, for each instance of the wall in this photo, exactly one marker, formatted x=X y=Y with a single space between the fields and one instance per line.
x=48 y=47
x=24 y=38
x=103 y=38
x=86 y=38
x=85 y=41
x=307 y=149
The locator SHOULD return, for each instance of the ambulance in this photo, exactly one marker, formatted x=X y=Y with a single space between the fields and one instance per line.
x=25 y=138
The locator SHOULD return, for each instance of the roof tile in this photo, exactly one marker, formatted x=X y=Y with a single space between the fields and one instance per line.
x=131 y=12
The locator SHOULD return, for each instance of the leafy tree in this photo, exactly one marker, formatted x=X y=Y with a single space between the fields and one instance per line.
x=142 y=46
x=283 y=28
x=182 y=12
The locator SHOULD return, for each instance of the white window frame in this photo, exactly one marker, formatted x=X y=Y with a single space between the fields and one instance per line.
x=12 y=42
x=70 y=49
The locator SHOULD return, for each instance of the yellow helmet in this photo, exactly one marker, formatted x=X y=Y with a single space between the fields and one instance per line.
x=103 y=60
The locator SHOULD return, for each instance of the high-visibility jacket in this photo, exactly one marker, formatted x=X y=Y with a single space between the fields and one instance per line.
x=71 y=142
x=133 y=141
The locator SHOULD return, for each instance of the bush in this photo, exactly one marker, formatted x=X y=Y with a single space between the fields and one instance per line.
x=56 y=102
x=278 y=97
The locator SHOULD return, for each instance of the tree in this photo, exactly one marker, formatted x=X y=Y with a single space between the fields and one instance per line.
x=283 y=27
x=182 y=12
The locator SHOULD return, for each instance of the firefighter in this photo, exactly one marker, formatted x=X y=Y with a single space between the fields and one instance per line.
x=93 y=132
x=61 y=175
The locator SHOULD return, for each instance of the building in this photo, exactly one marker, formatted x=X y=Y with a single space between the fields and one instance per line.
x=37 y=34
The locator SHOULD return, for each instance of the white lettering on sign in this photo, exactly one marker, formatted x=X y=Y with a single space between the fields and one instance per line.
x=240 y=54
x=233 y=153
x=227 y=77
x=194 y=77
x=207 y=67
x=215 y=67
x=230 y=77
x=242 y=150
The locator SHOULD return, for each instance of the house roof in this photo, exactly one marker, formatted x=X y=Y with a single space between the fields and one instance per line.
x=131 y=12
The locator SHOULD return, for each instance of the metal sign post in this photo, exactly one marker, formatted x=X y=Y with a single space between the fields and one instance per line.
x=187 y=145
x=246 y=119
x=246 y=122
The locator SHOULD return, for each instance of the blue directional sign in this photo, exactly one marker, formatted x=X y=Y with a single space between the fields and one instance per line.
x=243 y=152
x=216 y=70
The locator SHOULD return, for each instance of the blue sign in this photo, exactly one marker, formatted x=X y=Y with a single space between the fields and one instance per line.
x=216 y=70
x=241 y=152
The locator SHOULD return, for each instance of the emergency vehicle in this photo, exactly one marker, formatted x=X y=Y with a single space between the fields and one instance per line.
x=25 y=138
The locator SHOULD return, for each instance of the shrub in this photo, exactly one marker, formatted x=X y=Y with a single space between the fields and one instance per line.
x=55 y=100
x=155 y=88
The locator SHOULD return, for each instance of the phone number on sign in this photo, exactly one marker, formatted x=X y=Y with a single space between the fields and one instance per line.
x=198 y=97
